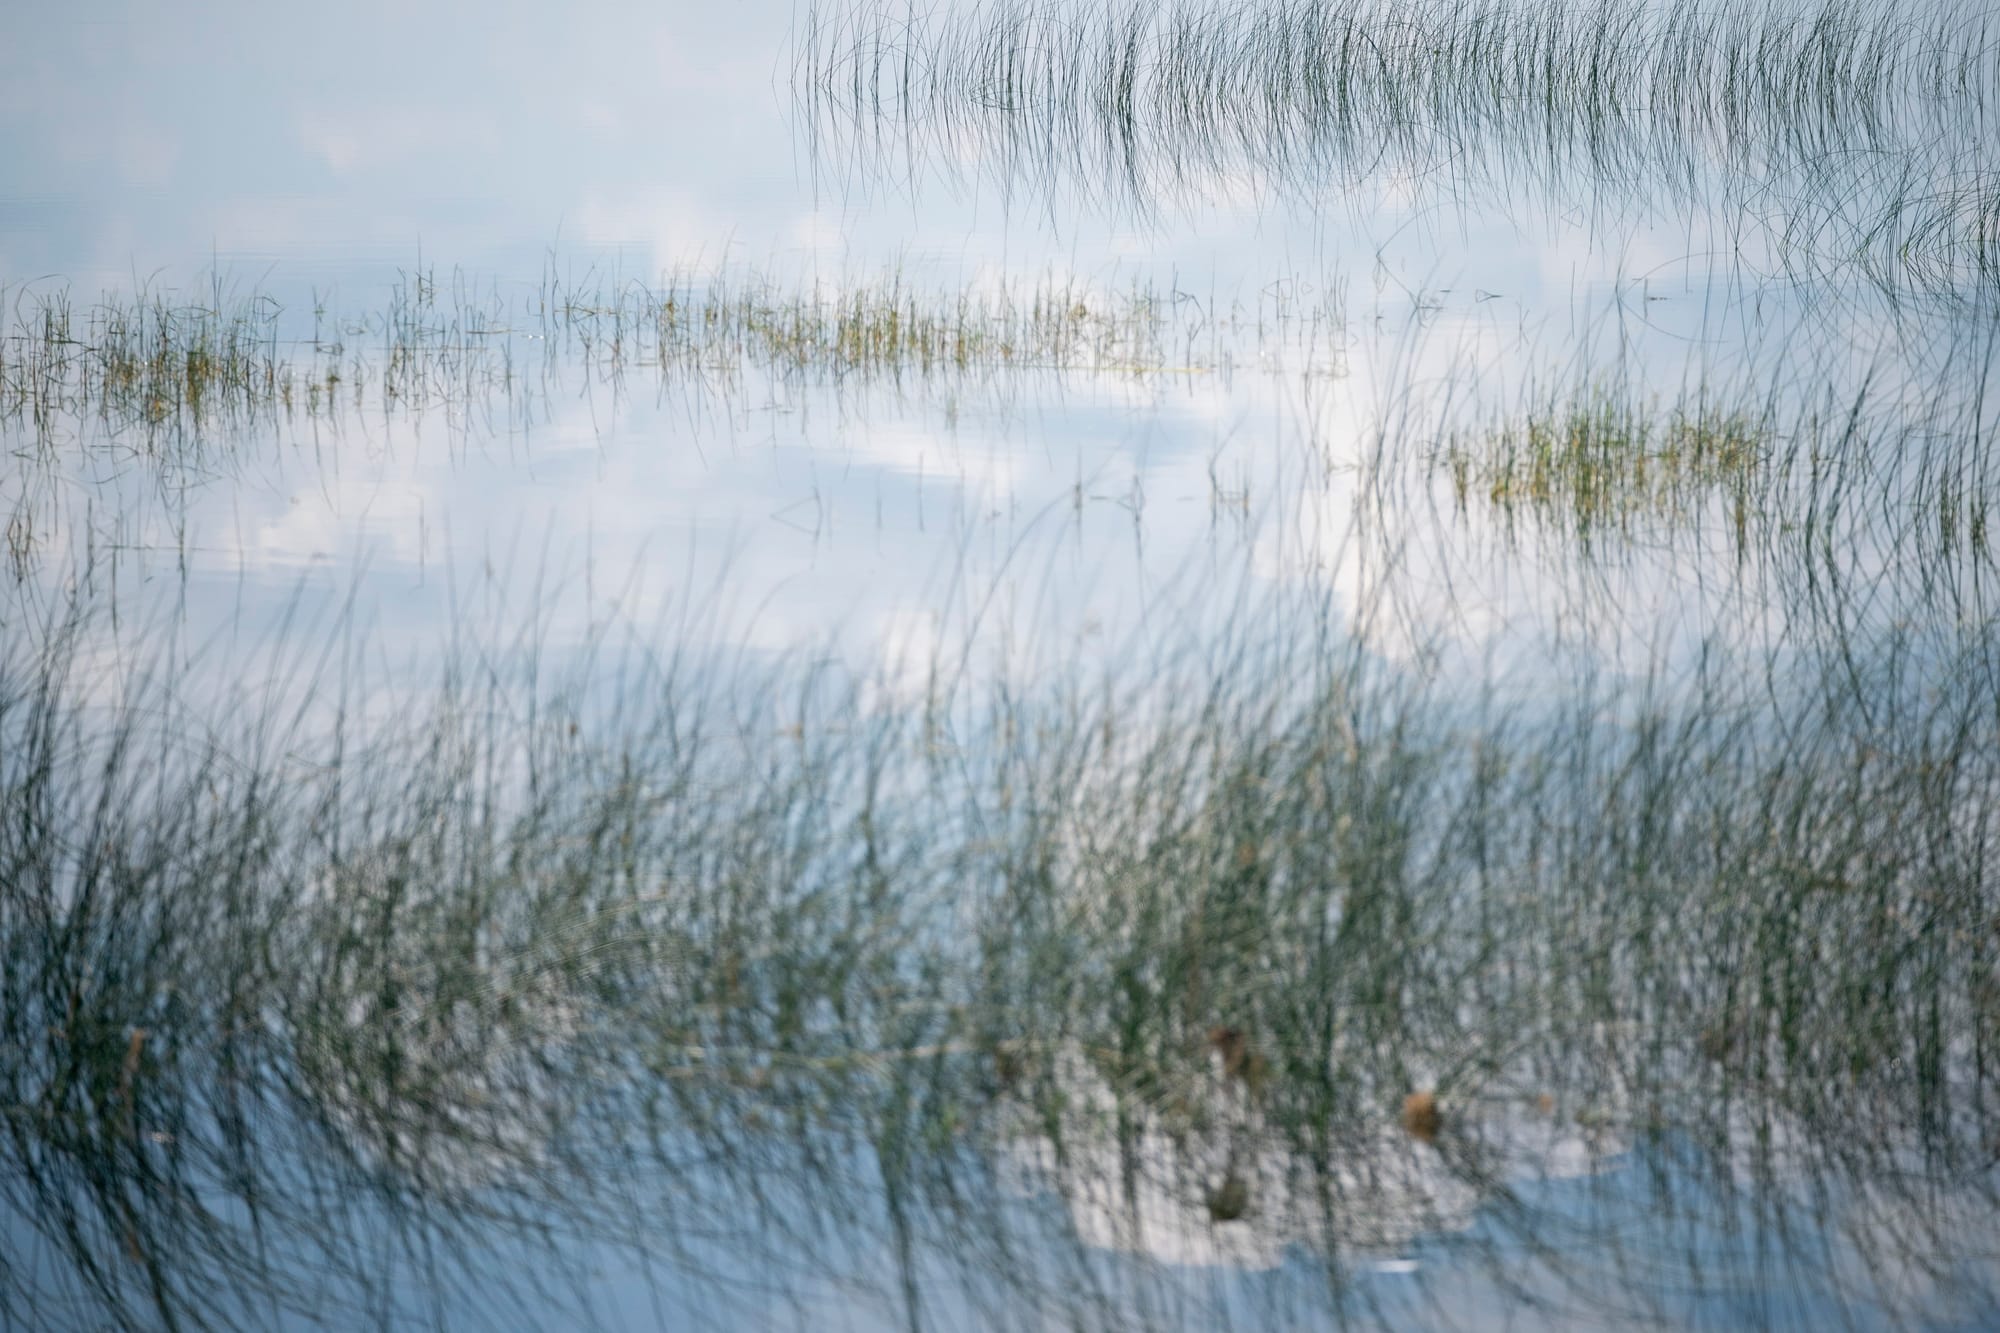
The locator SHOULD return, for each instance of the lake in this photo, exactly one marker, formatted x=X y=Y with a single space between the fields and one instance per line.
x=1081 y=664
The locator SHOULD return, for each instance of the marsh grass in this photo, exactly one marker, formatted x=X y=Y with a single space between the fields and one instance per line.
x=1600 y=461
x=196 y=389
x=882 y=329
x=1840 y=118
x=143 y=362
x=694 y=963
x=159 y=373
x=326 y=998
x=1787 y=468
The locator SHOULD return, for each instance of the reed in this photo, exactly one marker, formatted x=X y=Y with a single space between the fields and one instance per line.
x=169 y=374
x=1855 y=134
x=688 y=964
x=1600 y=461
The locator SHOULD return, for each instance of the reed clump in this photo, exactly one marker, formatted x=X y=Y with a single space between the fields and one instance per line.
x=168 y=375
x=1604 y=460
x=144 y=362
x=1796 y=471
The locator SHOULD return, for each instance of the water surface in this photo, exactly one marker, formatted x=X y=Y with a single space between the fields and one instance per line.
x=1000 y=665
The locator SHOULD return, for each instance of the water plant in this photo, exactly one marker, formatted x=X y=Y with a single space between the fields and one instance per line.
x=535 y=960
x=162 y=369
x=1845 y=133
x=1598 y=461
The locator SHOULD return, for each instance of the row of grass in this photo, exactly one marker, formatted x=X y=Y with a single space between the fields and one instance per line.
x=157 y=367
x=1855 y=133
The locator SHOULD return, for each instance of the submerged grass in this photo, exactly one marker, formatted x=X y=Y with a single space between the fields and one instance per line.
x=726 y=969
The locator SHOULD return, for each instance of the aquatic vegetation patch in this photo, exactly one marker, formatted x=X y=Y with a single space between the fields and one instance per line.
x=1769 y=467
x=1267 y=947
x=1854 y=132
x=1602 y=460
x=162 y=373
x=155 y=369
x=881 y=328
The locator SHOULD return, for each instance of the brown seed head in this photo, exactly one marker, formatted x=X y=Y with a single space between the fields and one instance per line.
x=1421 y=1117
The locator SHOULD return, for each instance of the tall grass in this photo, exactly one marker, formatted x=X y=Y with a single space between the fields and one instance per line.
x=713 y=968
x=1841 y=116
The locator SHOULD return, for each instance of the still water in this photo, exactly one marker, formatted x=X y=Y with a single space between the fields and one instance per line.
x=1085 y=664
